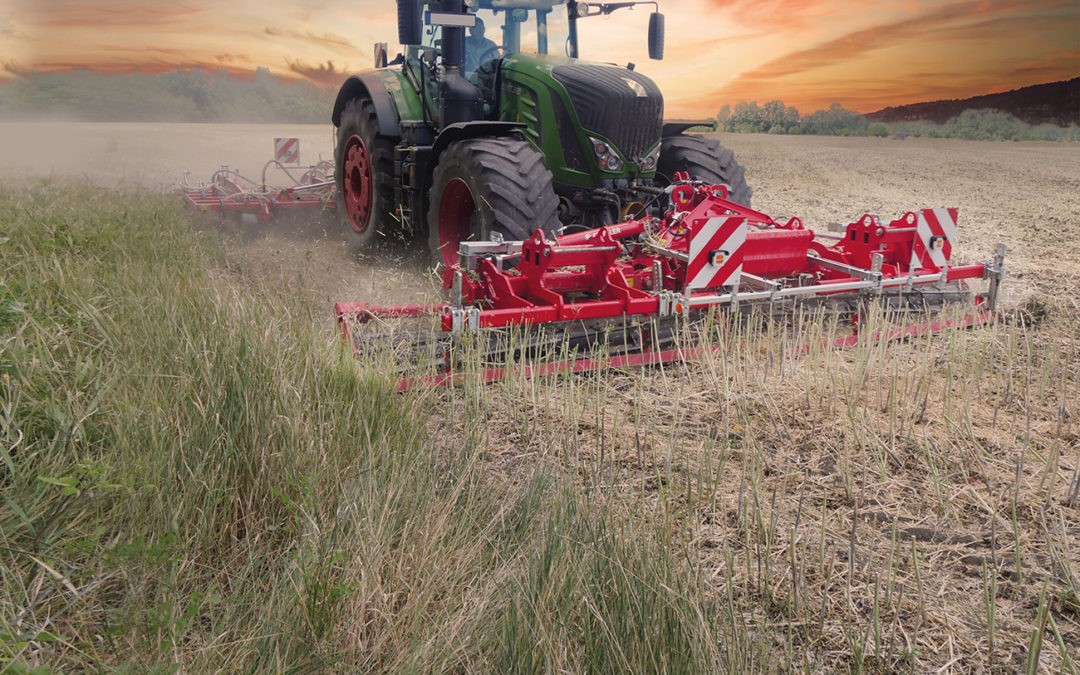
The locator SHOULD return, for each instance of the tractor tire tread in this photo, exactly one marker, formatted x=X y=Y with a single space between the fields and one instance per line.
x=513 y=185
x=359 y=117
x=705 y=159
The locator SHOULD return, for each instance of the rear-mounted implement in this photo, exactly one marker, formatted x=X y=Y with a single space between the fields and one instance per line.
x=230 y=193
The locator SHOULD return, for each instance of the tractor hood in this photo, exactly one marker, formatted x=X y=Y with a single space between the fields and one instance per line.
x=620 y=105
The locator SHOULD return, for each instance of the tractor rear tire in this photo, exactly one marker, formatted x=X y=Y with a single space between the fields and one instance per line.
x=364 y=173
x=706 y=160
x=486 y=185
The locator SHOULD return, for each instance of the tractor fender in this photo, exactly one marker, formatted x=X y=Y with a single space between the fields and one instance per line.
x=677 y=128
x=465 y=130
x=372 y=86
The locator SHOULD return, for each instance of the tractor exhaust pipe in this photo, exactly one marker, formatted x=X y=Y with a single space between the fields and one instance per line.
x=461 y=100
x=453 y=47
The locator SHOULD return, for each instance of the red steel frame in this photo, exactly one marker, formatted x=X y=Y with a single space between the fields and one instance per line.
x=640 y=267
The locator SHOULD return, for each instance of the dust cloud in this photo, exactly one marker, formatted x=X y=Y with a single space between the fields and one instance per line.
x=308 y=255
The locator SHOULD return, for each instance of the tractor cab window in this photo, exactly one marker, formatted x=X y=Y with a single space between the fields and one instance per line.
x=538 y=27
x=513 y=27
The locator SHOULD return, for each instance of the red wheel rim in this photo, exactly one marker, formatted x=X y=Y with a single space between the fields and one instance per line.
x=357 y=188
x=456 y=209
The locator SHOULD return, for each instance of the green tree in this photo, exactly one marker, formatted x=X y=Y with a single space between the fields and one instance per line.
x=778 y=118
x=836 y=121
x=747 y=118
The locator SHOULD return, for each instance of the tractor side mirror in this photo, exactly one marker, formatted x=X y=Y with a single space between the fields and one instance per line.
x=656 y=36
x=410 y=22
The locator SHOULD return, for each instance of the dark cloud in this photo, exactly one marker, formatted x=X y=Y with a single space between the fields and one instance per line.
x=325 y=74
x=1063 y=65
x=10 y=69
x=315 y=38
x=232 y=58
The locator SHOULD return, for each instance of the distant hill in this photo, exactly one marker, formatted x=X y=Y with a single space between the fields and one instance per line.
x=1053 y=103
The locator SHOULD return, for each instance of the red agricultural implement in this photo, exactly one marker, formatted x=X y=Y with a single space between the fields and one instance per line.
x=626 y=287
x=230 y=193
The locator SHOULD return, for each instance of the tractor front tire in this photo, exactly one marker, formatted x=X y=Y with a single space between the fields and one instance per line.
x=364 y=172
x=705 y=160
x=483 y=186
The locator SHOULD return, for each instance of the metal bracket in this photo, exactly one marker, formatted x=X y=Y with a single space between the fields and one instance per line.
x=471 y=253
x=456 y=291
x=995 y=272
x=876 y=261
x=464 y=319
x=874 y=273
x=672 y=304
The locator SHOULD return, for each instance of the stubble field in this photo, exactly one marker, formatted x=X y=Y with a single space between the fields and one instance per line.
x=893 y=507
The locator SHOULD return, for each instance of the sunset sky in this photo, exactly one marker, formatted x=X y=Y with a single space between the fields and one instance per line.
x=809 y=53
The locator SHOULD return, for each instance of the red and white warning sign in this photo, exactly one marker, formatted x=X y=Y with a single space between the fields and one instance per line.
x=716 y=256
x=287 y=150
x=935 y=230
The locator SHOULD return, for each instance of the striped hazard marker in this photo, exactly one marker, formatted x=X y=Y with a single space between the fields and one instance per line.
x=287 y=150
x=935 y=230
x=716 y=256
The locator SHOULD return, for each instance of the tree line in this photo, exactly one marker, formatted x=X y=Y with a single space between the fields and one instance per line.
x=193 y=95
x=773 y=117
x=198 y=95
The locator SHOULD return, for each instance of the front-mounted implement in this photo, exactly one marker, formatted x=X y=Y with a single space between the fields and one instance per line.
x=624 y=288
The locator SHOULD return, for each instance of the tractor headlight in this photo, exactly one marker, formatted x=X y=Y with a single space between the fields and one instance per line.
x=606 y=155
x=648 y=162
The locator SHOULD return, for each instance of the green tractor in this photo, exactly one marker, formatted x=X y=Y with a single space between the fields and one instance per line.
x=489 y=126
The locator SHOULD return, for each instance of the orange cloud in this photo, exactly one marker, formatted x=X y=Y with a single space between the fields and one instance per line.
x=62 y=13
x=779 y=13
x=828 y=71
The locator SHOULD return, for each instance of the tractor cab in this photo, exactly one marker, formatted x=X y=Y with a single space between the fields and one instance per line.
x=494 y=31
x=498 y=28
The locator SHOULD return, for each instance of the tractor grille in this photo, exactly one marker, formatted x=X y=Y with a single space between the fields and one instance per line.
x=620 y=104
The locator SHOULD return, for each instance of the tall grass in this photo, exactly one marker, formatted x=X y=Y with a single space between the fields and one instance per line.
x=195 y=475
